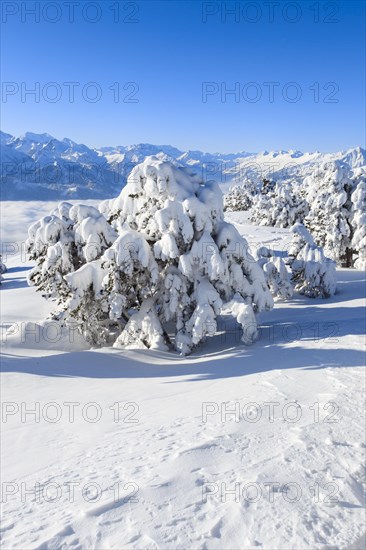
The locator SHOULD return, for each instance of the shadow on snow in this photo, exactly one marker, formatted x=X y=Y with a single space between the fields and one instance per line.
x=300 y=334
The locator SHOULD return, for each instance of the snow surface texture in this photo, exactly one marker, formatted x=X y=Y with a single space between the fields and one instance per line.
x=309 y=351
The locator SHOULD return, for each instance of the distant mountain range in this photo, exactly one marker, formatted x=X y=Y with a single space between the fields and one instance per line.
x=41 y=167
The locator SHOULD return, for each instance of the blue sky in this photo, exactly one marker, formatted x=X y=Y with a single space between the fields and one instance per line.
x=181 y=57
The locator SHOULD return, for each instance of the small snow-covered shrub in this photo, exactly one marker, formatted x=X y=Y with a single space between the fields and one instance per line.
x=64 y=241
x=312 y=273
x=281 y=206
x=329 y=220
x=277 y=276
x=358 y=200
x=260 y=208
x=173 y=267
x=50 y=243
x=240 y=197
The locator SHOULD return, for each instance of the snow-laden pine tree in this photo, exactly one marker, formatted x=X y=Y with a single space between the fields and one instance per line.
x=329 y=219
x=282 y=206
x=277 y=276
x=358 y=199
x=313 y=274
x=62 y=242
x=62 y=211
x=92 y=233
x=50 y=244
x=240 y=197
x=174 y=266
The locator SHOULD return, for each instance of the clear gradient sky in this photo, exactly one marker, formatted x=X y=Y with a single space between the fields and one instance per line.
x=169 y=49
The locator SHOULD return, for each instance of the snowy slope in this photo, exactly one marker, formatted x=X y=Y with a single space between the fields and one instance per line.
x=310 y=352
x=40 y=167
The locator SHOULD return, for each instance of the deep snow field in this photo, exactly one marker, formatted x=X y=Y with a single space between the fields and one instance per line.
x=151 y=471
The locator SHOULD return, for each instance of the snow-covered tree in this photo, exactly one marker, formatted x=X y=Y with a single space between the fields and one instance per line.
x=282 y=206
x=111 y=287
x=175 y=265
x=84 y=305
x=358 y=199
x=312 y=273
x=260 y=207
x=267 y=186
x=240 y=197
x=329 y=220
x=277 y=276
x=62 y=242
x=62 y=211
x=92 y=233
x=3 y=269
x=50 y=244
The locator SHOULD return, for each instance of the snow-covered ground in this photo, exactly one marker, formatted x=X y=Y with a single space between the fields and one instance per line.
x=149 y=454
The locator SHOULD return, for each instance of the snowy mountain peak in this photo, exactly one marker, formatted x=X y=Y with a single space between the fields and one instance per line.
x=82 y=172
x=5 y=138
x=37 y=138
x=69 y=142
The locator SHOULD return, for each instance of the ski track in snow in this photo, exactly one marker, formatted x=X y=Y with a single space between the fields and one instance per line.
x=171 y=454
